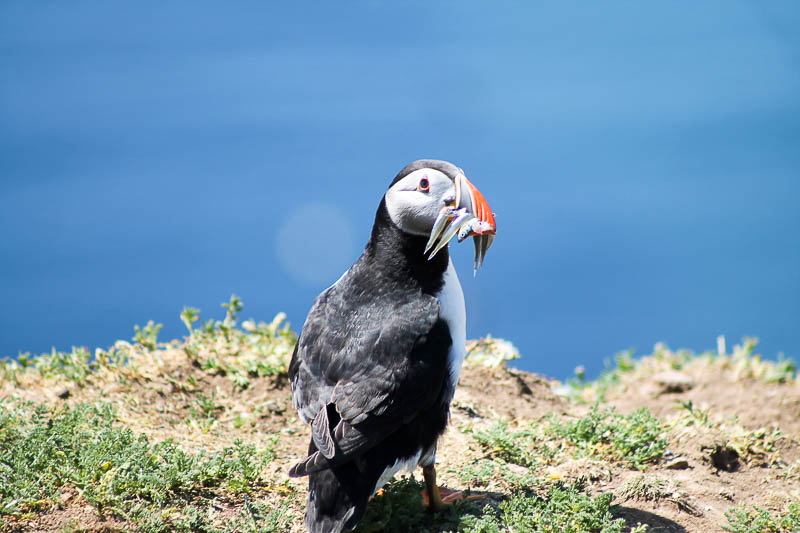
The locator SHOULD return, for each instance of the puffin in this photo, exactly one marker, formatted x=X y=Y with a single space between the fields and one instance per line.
x=378 y=358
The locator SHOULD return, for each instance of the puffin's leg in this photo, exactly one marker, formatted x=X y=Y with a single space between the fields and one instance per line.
x=435 y=502
x=432 y=496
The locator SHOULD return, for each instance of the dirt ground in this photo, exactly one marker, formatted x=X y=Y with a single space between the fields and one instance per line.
x=745 y=451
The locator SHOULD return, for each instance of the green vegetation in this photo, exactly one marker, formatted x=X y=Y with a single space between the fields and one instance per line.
x=562 y=508
x=758 y=520
x=516 y=447
x=218 y=346
x=754 y=446
x=399 y=509
x=636 y=438
x=204 y=411
x=255 y=350
x=542 y=508
x=75 y=365
x=44 y=450
x=742 y=364
x=148 y=335
x=650 y=488
x=260 y=517
x=491 y=352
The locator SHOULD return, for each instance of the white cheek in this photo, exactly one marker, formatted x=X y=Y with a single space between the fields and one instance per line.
x=414 y=211
x=394 y=205
x=411 y=211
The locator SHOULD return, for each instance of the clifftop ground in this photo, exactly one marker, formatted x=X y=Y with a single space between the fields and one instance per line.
x=197 y=435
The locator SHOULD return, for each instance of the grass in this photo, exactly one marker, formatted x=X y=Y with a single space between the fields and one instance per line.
x=742 y=364
x=148 y=335
x=116 y=471
x=516 y=447
x=260 y=517
x=645 y=488
x=636 y=438
x=218 y=346
x=254 y=350
x=76 y=365
x=542 y=508
x=743 y=519
x=560 y=508
x=755 y=446
x=399 y=509
x=650 y=488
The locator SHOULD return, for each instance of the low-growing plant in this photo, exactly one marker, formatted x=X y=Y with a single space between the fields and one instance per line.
x=399 y=509
x=757 y=520
x=636 y=438
x=148 y=335
x=218 y=346
x=562 y=508
x=742 y=364
x=491 y=352
x=76 y=365
x=479 y=474
x=500 y=442
x=553 y=509
x=258 y=517
x=644 y=488
x=255 y=350
x=188 y=518
x=204 y=411
x=696 y=414
x=115 y=470
x=746 y=364
x=578 y=388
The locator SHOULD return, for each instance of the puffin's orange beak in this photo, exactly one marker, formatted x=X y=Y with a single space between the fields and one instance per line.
x=484 y=228
x=469 y=216
x=468 y=196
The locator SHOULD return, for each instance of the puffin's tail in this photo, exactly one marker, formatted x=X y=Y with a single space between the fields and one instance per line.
x=331 y=508
x=337 y=497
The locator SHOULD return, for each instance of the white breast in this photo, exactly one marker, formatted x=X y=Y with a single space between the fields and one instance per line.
x=452 y=311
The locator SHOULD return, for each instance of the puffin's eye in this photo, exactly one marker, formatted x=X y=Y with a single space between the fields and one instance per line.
x=424 y=185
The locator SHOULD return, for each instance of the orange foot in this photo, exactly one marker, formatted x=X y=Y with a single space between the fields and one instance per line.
x=449 y=497
x=434 y=498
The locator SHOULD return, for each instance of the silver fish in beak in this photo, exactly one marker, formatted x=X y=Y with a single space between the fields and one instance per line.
x=468 y=216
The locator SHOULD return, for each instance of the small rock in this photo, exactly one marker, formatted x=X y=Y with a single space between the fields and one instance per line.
x=727 y=494
x=678 y=463
x=64 y=393
x=470 y=410
x=274 y=407
x=673 y=381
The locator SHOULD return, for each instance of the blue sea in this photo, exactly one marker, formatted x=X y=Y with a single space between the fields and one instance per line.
x=643 y=161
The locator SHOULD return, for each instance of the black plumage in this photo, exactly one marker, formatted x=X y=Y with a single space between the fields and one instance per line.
x=370 y=372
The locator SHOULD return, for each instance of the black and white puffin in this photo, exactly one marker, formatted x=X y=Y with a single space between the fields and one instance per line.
x=379 y=355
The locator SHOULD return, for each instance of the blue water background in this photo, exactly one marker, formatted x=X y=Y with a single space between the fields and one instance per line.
x=643 y=161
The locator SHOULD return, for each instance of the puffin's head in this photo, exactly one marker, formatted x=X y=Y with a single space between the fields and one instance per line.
x=434 y=199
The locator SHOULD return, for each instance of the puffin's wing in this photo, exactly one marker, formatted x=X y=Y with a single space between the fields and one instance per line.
x=358 y=377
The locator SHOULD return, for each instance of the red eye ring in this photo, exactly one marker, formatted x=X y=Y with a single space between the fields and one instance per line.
x=424 y=185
